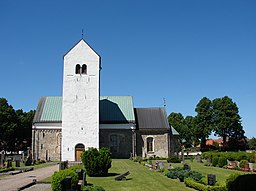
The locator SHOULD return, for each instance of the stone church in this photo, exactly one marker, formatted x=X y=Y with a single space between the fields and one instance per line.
x=64 y=126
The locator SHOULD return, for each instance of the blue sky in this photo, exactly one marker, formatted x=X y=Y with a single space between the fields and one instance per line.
x=178 y=50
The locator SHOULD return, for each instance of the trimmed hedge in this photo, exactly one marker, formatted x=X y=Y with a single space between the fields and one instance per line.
x=222 y=162
x=173 y=159
x=232 y=156
x=182 y=173
x=59 y=176
x=190 y=182
x=231 y=179
x=215 y=161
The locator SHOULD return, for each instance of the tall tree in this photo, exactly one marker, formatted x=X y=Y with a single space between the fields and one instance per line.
x=23 y=133
x=8 y=126
x=203 y=120
x=252 y=143
x=226 y=120
x=183 y=126
x=190 y=137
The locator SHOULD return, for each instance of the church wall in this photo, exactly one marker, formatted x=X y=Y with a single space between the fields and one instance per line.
x=160 y=143
x=46 y=144
x=119 y=141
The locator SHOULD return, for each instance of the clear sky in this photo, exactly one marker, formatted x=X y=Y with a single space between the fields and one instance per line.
x=180 y=50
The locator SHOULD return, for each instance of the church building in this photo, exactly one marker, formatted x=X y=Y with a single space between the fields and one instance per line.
x=64 y=126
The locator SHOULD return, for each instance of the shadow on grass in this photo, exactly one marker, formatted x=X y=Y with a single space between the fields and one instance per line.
x=112 y=174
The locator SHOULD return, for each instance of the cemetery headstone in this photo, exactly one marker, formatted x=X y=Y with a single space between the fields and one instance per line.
x=186 y=167
x=9 y=163
x=17 y=162
x=199 y=159
x=66 y=183
x=208 y=162
x=84 y=178
x=79 y=174
x=211 y=179
x=1 y=160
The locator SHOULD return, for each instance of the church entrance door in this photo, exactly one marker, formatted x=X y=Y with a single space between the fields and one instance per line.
x=78 y=151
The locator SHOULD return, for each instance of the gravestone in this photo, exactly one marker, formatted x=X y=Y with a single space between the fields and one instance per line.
x=208 y=162
x=211 y=179
x=161 y=165
x=199 y=159
x=66 y=183
x=9 y=163
x=251 y=166
x=17 y=163
x=1 y=160
x=84 y=178
x=186 y=167
x=79 y=174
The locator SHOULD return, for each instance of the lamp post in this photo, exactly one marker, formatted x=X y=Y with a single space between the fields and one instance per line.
x=133 y=141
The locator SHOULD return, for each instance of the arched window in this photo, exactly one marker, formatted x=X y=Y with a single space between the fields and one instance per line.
x=84 y=69
x=150 y=144
x=78 y=69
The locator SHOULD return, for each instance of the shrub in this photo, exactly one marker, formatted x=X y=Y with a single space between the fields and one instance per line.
x=57 y=177
x=137 y=159
x=242 y=163
x=181 y=173
x=96 y=162
x=198 y=186
x=173 y=173
x=190 y=182
x=39 y=162
x=75 y=167
x=173 y=159
x=222 y=162
x=215 y=161
x=230 y=180
x=93 y=188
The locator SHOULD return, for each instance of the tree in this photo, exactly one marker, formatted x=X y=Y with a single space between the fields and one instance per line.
x=183 y=126
x=252 y=143
x=15 y=127
x=203 y=120
x=190 y=137
x=23 y=133
x=8 y=126
x=226 y=121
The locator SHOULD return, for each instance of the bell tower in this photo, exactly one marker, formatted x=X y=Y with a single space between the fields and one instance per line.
x=80 y=101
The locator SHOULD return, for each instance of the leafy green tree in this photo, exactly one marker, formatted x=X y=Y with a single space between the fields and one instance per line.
x=252 y=143
x=23 y=134
x=184 y=126
x=203 y=121
x=227 y=121
x=190 y=137
x=8 y=125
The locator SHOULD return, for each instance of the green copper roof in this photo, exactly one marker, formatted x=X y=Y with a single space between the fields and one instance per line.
x=113 y=109
x=116 y=109
x=52 y=110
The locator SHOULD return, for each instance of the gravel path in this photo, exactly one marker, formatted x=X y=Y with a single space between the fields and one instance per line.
x=13 y=182
x=39 y=187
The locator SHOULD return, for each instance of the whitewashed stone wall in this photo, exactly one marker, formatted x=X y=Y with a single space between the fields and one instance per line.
x=80 y=107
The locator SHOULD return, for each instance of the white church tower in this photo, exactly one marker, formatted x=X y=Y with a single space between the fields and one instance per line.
x=80 y=104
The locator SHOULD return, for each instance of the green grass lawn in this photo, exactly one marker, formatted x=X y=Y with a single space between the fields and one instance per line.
x=140 y=178
x=221 y=173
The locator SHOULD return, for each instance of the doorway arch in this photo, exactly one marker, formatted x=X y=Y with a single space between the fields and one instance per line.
x=78 y=151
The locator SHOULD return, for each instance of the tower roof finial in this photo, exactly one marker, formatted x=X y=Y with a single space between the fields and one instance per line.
x=82 y=33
